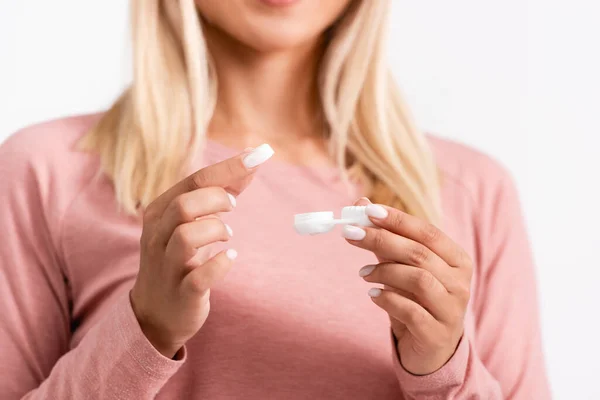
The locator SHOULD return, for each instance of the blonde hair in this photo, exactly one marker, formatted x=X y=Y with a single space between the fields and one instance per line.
x=146 y=140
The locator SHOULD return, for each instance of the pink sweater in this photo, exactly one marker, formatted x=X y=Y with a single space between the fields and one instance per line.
x=292 y=320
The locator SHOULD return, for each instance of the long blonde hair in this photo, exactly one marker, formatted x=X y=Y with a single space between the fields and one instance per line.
x=145 y=141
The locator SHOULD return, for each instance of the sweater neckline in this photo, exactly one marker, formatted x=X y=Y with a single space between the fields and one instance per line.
x=215 y=152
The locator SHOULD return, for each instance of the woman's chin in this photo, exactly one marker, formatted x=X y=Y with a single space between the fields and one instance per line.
x=277 y=40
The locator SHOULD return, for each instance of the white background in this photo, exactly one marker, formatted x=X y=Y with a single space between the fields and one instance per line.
x=518 y=79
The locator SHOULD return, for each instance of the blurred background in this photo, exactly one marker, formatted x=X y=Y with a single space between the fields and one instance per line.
x=518 y=79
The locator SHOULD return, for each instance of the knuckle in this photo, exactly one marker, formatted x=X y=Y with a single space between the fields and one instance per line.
x=200 y=179
x=429 y=234
x=183 y=206
x=396 y=218
x=378 y=240
x=423 y=280
x=197 y=283
x=181 y=235
x=418 y=254
x=463 y=293
x=415 y=316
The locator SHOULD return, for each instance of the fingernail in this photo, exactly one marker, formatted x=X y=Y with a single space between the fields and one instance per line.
x=232 y=200
x=353 y=232
x=258 y=156
x=364 y=198
x=374 y=292
x=376 y=211
x=231 y=254
x=229 y=230
x=366 y=270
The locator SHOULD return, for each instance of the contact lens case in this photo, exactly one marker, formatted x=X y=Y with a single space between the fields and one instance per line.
x=314 y=223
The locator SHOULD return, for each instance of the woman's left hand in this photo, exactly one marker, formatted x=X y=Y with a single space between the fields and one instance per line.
x=426 y=278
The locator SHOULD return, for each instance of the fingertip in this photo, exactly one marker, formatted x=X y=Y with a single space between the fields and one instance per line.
x=232 y=200
x=231 y=254
x=257 y=156
x=353 y=233
x=376 y=211
x=365 y=271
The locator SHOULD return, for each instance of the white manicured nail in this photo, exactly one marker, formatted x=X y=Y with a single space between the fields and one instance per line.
x=229 y=230
x=258 y=156
x=232 y=200
x=366 y=270
x=374 y=292
x=376 y=211
x=353 y=232
x=231 y=254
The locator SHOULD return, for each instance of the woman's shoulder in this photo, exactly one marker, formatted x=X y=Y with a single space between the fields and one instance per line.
x=48 y=151
x=53 y=141
x=41 y=164
x=480 y=199
x=469 y=170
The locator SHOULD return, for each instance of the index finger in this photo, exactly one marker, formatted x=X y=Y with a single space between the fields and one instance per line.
x=233 y=174
x=420 y=231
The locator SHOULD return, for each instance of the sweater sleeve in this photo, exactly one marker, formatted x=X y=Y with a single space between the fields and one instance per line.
x=113 y=361
x=502 y=359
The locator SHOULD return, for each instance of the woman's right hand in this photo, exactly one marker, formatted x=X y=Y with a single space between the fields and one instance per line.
x=170 y=297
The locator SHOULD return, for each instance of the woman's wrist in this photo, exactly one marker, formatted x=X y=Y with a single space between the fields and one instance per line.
x=152 y=334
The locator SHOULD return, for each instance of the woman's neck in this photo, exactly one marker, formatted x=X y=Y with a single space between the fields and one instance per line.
x=266 y=97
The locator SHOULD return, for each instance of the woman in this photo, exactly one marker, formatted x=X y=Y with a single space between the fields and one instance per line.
x=91 y=311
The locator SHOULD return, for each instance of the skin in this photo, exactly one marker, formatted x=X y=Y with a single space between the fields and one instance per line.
x=171 y=294
x=426 y=278
x=266 y=60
